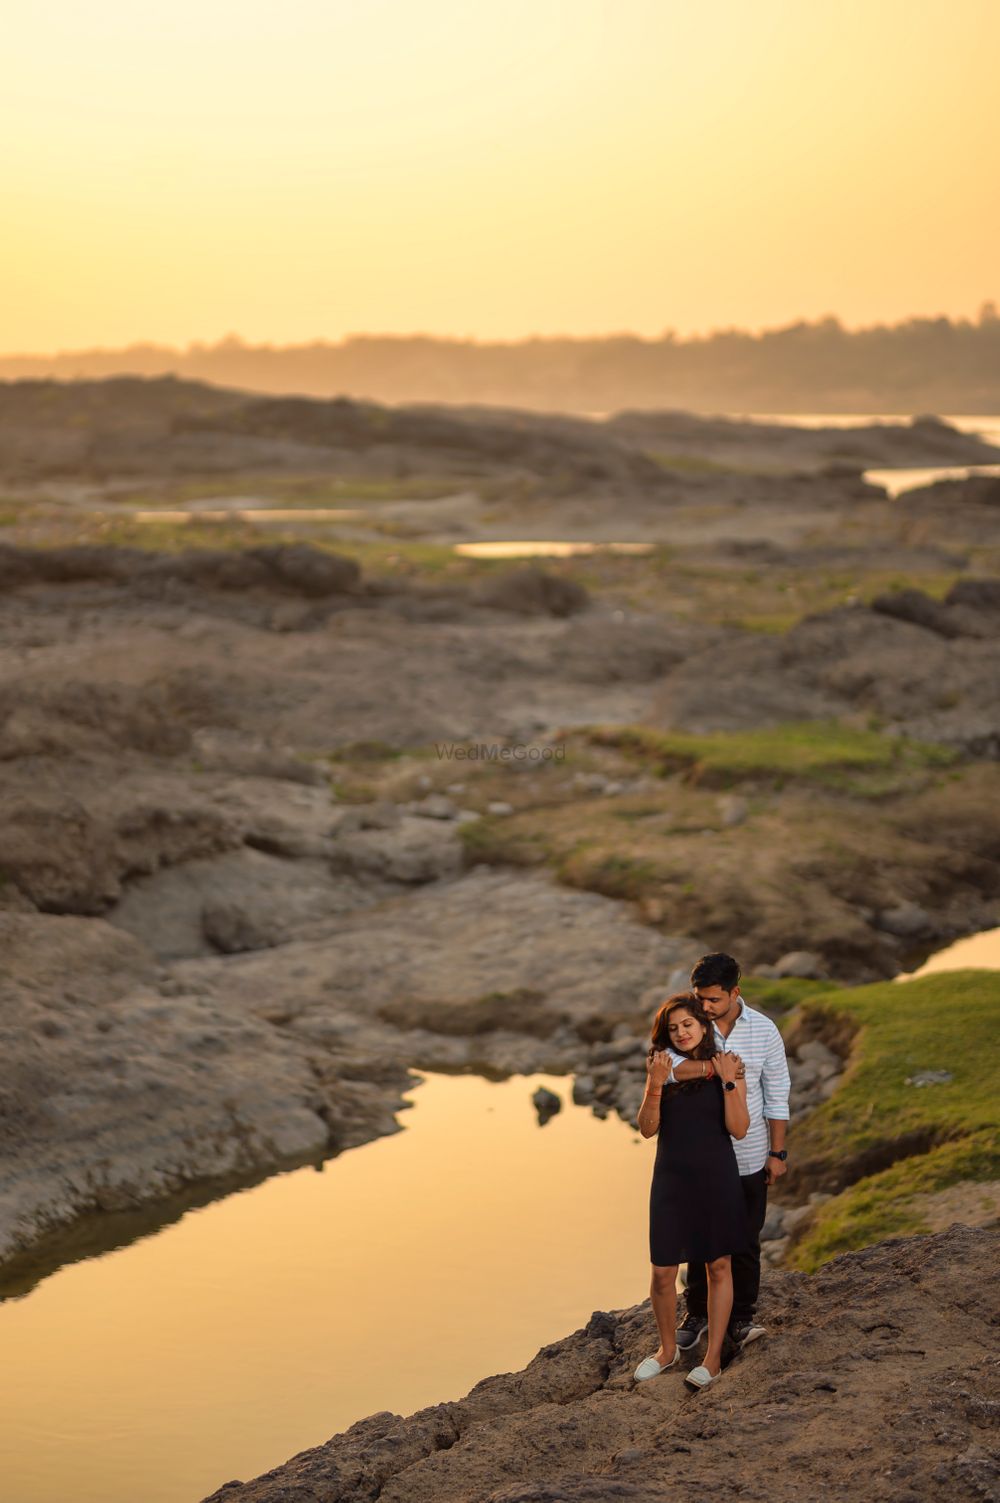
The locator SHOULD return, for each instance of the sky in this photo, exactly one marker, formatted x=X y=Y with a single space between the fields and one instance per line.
x=291 y=170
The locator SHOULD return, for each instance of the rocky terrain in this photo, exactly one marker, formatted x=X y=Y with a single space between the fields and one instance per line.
x=878 y=1379
x=247 y=882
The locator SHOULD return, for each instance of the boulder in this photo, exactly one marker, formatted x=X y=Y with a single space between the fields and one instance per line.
x=907 y=921
x=976 y=594
x=532 y=592
x=307 y=570
x=920 y=609
x=583 y=1090
x=816 y=1053
x=801 y=963
x=231 y=929
x=929 y=1077
x=546 y=1104
x=417 y=850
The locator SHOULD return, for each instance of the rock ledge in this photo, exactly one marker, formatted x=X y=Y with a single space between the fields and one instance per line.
x=878 y=1381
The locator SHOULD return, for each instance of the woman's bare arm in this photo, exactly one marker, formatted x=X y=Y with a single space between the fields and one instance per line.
x=657 y=1071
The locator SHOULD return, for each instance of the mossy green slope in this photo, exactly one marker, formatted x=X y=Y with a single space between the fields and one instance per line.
x=811 y=750
x=907 y=1140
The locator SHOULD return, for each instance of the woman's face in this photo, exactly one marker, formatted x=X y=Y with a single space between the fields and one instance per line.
x=684 y=1031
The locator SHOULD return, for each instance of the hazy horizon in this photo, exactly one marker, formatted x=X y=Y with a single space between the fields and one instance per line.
x=496 y=173
x=919 y=366
x=233 y=339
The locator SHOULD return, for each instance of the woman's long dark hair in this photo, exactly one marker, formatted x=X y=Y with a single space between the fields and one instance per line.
x=706 y=1046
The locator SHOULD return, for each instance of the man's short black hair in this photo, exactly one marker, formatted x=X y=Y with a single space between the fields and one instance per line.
x=717 y=970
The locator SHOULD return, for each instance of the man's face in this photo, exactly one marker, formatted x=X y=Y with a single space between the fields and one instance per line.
x=716 y=1001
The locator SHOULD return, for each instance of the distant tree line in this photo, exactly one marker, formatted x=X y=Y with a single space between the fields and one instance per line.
x=923 y=365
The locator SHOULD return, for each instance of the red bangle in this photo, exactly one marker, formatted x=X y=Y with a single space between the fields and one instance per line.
x=710 y=1072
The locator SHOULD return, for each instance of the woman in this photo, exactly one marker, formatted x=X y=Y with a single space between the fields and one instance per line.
x=696 y=1206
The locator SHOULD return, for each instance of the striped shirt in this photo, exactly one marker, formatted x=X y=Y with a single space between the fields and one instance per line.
x=758 y=1043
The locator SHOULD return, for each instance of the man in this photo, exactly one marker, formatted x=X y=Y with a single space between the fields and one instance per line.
x=761 y=1155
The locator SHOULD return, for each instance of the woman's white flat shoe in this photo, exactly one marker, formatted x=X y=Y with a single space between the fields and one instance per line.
x=700 y=1377
x=650 y=1368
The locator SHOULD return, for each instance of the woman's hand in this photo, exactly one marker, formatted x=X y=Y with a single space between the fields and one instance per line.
x=727 y=1066
x=657 y=1067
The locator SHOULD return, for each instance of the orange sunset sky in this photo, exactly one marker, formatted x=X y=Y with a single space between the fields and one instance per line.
x=492 y=168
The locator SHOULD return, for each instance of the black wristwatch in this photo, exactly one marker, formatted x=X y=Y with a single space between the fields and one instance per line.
x=729 y=1085
x=778 y=1153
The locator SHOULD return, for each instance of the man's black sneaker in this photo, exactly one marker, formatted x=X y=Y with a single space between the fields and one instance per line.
x=690 y=1332
x=743 y=1332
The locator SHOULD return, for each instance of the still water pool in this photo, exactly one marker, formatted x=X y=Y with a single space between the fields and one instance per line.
x=398 y=1276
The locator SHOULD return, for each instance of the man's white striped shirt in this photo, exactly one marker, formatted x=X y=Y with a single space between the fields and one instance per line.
x=759 y=1044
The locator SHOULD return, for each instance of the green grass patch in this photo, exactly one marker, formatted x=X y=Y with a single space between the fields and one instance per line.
x=174 y=537
x=365 y=752
x=889 y=1204
x=688 y=464
x=894 y=1140
x=768 y=623
x=779 y=998
x=820 y=751
x=294 y=490
x=943 y=1021
x=406 y=559
x=701 y=464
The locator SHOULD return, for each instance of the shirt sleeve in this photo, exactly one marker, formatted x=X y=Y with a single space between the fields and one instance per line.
x=675 y=1059
x=774 y=1080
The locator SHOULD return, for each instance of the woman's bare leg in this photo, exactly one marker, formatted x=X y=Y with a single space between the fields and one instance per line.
x=720 y=1305
x=663 y=1298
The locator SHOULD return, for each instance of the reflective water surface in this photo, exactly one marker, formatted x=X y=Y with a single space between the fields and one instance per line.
x=978 y=951
x=898 y=481
x=264 y=1323
x=535 y=549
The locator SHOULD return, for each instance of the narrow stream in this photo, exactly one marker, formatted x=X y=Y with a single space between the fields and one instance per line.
x=264 y=1323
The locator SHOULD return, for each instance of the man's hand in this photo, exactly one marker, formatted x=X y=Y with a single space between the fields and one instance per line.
x=726 y=1066
x=774 y=1169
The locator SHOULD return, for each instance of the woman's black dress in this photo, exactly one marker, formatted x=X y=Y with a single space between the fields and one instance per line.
x=696 y=1206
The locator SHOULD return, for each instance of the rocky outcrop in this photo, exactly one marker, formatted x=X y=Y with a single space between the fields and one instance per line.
x=877 y=1380
x=926 y=669
x=291 y=1035
x=293 y=568
x=533 y=592
x=121 y=1088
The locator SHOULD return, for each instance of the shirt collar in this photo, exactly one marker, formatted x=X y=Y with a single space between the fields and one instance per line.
x=738 y=1019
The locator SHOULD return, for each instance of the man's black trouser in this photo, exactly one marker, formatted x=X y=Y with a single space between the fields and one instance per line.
x=746 y=1265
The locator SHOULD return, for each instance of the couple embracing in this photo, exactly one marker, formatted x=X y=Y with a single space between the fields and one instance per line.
x=717 y=1100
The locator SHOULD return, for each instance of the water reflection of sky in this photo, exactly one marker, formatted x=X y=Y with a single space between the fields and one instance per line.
x=978 y=951
x=532 y=548
x=897 y=481
x=266 y=1322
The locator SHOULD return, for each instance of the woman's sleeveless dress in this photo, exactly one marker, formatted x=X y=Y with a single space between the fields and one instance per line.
x=696 y=1206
